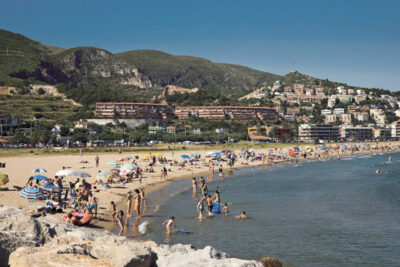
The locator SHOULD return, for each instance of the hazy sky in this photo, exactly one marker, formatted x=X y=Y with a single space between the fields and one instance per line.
x=352 y=41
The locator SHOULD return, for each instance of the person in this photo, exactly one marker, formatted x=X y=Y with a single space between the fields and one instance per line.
x=200 y=207
x=30 y=181
x=113 y=211
x=217 y=197
x=204 y=189
x=97 y=159
x=129 y=204
x=164 y=172
x=120 y=220
x=142 y=198
x=194 y=185
x=225 y=210
x=92 y=205
x=137 y=202
x=390 y=158
x=220 y=171
x=168 y=224
x=209 y=204
x=378 y=171
x=242 y=216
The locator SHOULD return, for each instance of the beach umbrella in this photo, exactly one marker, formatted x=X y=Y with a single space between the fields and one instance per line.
x=51 y=187
x=103 y=174
x=125 y=172
x=77 y=185
x=185 y=157
x=291 y=153
x=38 y=170
x=270 y=150
x=252 y=150
x=31 y=193
x=210 y=153
x=40 y=178
x=64 y=172
x=296 y=147
x=80 y=174
x=3 y=179
x=217 y=154
x=146 y=157
x=115 y=163
x=159 y=154
x=128 y=157
x=3 y=140
x=128 y=166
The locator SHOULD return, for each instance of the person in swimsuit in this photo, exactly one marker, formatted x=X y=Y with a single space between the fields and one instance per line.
x=225 y=210
x=113 y=211
x=137 y=202
x=168 y=224
x=194 y=185
x=217 y=197
x=142 y=198
x=209 y=204
x=120 y=220
x=129 y=204
x=200 y=207
x=220 y=171
x=242 y=216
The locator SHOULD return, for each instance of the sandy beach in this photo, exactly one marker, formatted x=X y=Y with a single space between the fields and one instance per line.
x=19 y=169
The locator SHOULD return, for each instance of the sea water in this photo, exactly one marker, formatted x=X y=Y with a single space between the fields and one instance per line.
x=319 y=213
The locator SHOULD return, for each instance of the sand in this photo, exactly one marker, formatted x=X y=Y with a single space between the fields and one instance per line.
x=20 y=168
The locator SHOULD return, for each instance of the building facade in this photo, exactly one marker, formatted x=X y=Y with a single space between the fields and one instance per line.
x=226 y=112
x=109 y=110
x=311 y=133
x=357 y=133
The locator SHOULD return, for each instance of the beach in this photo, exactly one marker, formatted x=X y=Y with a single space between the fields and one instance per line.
x=19 y=169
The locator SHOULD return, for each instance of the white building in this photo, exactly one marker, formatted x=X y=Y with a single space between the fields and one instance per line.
x=362 y=116
x=332 y=101
x=397 y=112
x=360 y=92
x=325 y=112
x=341 y=90
x=338 y=111
x=359 y=98
x=345 y=119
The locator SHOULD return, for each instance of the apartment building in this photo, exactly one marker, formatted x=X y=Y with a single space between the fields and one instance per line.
x=345 y=119
x=312 y=133
x=331 y=118
x=325 y=112
x=361 y=116
x=127 y=110
x=357 y=133
x=226 y=112
x=338 y=111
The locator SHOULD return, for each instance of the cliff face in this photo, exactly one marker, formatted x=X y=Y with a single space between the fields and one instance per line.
x=47 y=241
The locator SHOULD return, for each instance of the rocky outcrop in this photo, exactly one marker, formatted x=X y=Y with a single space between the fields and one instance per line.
x=270 y=262
x=48 y=241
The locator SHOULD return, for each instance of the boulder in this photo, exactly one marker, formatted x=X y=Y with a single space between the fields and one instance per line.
x=271 y=262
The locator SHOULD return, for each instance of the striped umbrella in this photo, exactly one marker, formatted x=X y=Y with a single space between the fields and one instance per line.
x=3 y=178
x=128 y=166
x=38 y=170
x=80 y=174
x=64 y=172
x=31 y=193
x=115 y=163
x=125 y=172
x=103 y=174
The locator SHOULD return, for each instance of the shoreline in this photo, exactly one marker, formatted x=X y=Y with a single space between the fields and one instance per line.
x=152 y=182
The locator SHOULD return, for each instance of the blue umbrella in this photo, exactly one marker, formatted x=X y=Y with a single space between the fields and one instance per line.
x=31 y=193
x=51 y=187
x=216 y=154
x=296 y=147
x=40 y=178
x=185 y=157
x=270 y=150
x=38 y=170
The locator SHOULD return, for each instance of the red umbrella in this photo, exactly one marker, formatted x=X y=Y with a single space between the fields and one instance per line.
x=291 y=153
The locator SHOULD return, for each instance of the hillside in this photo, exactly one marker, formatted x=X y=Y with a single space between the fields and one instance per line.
x=89 y=74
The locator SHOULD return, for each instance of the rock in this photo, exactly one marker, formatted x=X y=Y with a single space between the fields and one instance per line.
x=48 y=241
x=271 y=262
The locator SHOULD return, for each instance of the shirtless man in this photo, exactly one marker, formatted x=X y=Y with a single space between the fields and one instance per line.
x=242 y=216
x=168 y=224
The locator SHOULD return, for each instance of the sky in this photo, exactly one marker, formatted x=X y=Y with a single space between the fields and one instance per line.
x=351 y=41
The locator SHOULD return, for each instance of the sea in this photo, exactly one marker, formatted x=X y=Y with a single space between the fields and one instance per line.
x=314 y=213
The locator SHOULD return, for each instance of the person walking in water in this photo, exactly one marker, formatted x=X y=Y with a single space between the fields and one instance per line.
x=194 y=185
x=200 y=208
x=209 y=204
x=168 y=224
x=120 y=220
x=129 y=204
x=137 y=203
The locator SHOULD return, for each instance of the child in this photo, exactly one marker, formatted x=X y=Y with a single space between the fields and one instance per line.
x=225 y=210
x=113 y=211
x=168 y=224
x=242 y=216
x=120 y=220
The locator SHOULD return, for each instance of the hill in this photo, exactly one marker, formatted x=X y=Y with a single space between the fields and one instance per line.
x=89 y=74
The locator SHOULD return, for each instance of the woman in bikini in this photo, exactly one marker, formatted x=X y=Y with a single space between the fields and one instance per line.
x=137 y=202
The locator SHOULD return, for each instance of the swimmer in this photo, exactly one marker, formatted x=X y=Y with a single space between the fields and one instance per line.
x=225 y=210
x=390 y=158
x=378 y=171
x=200 y=207
x=242 y=216
x=168 y=224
